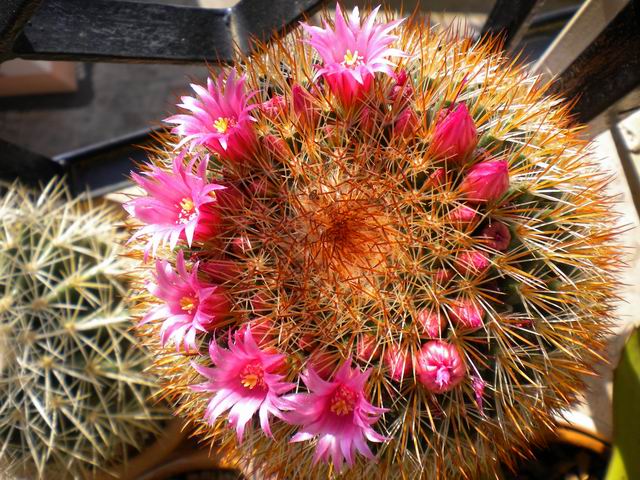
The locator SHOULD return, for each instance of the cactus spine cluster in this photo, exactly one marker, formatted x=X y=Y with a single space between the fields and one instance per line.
x=444 y=229
x=72 y=382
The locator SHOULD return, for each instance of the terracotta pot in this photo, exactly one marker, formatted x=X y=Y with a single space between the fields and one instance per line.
x=581 y=437
x=186 y=460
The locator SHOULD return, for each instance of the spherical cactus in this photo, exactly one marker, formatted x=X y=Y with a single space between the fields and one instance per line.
x=72 y=381
x=416 y=253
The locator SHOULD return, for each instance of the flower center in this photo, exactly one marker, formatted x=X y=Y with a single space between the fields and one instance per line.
x=352 y=59
x=188 y=210
x=443 y=376
x=343 y=401
x=187 y=304
x=252 y=376
x=221 y=124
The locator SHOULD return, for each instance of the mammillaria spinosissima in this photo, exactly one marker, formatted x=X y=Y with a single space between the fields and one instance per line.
x=72 y=382
x=417 y=250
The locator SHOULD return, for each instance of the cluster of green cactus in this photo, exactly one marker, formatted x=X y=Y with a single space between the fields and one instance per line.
x=75 y=397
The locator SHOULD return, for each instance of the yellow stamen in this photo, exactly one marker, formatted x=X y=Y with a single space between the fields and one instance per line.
x=186 y=205
x=250 y=381
x=221 y=124
x=343 y=401
x=252 y=376
x=188 y=304
x=351 y=59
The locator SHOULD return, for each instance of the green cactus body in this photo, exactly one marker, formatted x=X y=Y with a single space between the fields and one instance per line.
x=72 y=383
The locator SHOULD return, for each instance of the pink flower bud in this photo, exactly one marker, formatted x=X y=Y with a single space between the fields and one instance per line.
x=436 y=178
x=323 y=363
x=472 y=262
x=303 y=106
x=497 y=235
x=240 y=245
x=455 y=136
x=274 y=106
x=367 y=348
x=307 y=342
x=262 y=330
x=220 y=271
x=468 y=314
x=259 y=303
x=432 y=322
x=398 y=361
x=478 y=389
x=276 y=146
x=439 y=366
x=486 y=181
x=406 y=123
x=463 y=214
x=403 y=90
x=443 y=276
x=367 y=120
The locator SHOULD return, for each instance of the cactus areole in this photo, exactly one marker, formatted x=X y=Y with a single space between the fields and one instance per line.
x=411 y=251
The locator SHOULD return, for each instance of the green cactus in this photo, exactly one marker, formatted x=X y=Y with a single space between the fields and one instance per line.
x=73 y=388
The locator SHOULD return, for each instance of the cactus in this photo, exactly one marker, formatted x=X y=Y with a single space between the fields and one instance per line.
x=72 y=382
x=418 y=253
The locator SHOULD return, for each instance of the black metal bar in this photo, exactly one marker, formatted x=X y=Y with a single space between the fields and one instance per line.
x=608 y=70
x=14 y=14
x=508 y=17
x=29 y=167
x=103 y=167
x=127 y=31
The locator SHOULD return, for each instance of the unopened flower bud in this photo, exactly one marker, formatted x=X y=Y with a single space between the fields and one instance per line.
x=496 y=236
x=273 y=107
x=406 y=123
x=367 y=348
x=433 y=323
x=398 y=361
x=303 y=106
x=439 y=366
x=468 y=314
x=455 y=135
x=472 y=262
x=486 y=181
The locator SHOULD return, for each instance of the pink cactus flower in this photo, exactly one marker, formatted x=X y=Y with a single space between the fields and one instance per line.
x=219 y=118
x=353 y=52
x=463 y=215
x=472 y=262
x=439 y=366
x=367 y=348
x=455 y=136
x=433 y=323
x=244 y=380
x=337 y=413
x=497 y=236
x=486 y=181
x=179 y=204
x=190 y=306
x=468 y=314
x=398 y=361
